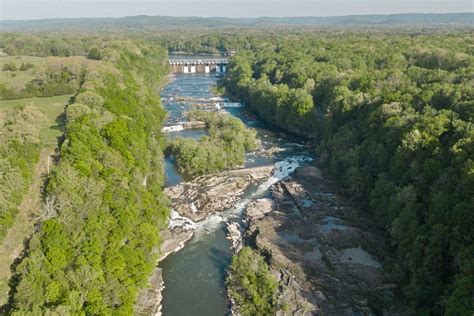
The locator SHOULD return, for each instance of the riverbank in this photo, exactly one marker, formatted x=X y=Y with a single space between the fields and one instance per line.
x=324 y=254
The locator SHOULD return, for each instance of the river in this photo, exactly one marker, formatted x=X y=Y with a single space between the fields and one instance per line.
x=194 y=277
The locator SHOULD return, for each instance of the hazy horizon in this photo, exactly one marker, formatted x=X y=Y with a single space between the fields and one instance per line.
x=26 y=10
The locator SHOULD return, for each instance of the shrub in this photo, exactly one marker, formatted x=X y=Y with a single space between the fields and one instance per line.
x=11 y=66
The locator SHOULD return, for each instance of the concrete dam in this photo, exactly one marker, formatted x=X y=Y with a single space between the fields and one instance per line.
x=207 y=65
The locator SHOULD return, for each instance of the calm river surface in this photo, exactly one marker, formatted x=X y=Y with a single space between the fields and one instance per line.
x=195 y=276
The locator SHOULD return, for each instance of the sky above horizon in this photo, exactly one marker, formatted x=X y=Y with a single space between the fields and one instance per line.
x=40 y=9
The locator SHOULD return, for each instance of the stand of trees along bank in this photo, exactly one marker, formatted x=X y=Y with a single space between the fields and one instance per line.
x=251 y=285
x=103 y=206
x=393 y=119
x=223 y=148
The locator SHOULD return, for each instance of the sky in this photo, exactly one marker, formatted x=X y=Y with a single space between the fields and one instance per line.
x=28 y=9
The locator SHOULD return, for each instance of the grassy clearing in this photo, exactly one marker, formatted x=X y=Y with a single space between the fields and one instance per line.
x=52 y=107
x=18 y=79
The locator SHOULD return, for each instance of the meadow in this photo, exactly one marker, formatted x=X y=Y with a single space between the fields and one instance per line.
x=19 y=78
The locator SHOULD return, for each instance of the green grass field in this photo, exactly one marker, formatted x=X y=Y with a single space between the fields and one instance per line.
x=52 y=107
x=18 y=79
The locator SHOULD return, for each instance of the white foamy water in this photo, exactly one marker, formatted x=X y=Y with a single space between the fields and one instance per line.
x=231 y=104
x=177 y=220
x=173 y=128
x=213 y=222
x=218 y=99
x=282 y=170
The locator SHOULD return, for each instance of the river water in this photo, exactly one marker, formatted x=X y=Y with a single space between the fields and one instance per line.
x=194 y=277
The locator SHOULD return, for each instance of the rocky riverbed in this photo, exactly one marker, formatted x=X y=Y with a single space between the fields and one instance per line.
x=320 y=249
x=191 y=203
x=210 y=194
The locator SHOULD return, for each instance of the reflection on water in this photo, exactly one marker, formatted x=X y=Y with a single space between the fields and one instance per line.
x=173 y=177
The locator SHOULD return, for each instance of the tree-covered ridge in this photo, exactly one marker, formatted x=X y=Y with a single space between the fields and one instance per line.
x=144 y=23
x=223 y=148
x=393 y=116
x=98 y=238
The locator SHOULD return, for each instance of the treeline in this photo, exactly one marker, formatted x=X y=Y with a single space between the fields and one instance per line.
x=225 y=146
x=20 y=145
x=392 y=116
x=210 y=42
x=98 y=239
x=43 y=45
x=11 y=66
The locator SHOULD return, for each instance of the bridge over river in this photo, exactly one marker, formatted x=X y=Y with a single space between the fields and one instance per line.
x=192 y=65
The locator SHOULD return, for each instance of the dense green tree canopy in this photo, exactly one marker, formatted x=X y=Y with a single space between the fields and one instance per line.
x=393 y=119
x=225 y=146
x=391 y=112
x=251 y=284
x=98 y=238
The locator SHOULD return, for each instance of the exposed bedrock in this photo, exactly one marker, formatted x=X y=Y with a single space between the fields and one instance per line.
x=210 y=194
x=323 y=252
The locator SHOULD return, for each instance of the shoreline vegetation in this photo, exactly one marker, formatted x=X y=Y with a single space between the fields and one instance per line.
x=251 y=286
x=103 y=204
x=390 y=111
x=225 y=146
x=392 y=120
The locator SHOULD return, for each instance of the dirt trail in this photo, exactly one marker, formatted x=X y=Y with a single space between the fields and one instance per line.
x=12 y=245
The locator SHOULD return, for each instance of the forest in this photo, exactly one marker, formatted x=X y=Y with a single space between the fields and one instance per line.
x=390 y=112
x=251 y=284
x=103 y=206
x=392 y=117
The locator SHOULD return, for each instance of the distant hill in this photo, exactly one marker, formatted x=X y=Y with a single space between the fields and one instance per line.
x=166 y=22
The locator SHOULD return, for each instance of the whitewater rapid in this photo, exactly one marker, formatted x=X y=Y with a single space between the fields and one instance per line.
x=282 y=169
